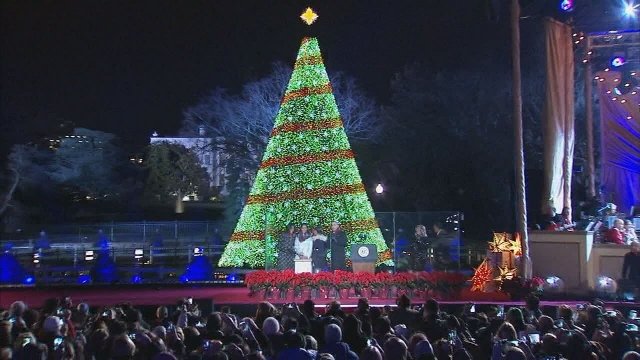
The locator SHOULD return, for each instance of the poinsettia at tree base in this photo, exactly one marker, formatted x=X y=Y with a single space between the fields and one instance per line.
x=340 y=283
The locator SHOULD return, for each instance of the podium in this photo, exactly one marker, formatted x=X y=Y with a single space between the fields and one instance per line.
x=364 y=257
x=302 y=265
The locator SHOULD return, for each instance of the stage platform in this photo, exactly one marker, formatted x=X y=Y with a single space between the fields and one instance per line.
x=143 y=295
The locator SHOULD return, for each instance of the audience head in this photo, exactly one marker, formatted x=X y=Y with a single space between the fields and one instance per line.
x=332 y=334
x=270 y=326
x=162 y=312
x=507 y=332
x=631 y=355
x=371 y=353
x=514 y=353
x=431 y=307
x=52 y=325
x=363 y=304
x=397 y=348
x=403 y=301
x=17 y=309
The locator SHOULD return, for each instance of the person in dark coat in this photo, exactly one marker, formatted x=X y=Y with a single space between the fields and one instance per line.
x=334 y=345
x=631 y=265
x=286 y=251
x=338 y=243
x=319 y=252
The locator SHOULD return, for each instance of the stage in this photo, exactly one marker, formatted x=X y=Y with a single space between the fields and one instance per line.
x=216 y=294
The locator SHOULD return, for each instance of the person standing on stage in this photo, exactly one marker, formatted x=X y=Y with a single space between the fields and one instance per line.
x=631 y=265
x=303 y=243
x=338 y=243
x=419 y=257
x=286 y=251
x=319 y=252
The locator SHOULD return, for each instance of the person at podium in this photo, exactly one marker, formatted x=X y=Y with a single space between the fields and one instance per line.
x=303 y=244
x=338 y=243
x=286 y=251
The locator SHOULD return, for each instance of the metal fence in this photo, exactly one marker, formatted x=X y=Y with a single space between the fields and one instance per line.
x=165 y=248
x=125 y=232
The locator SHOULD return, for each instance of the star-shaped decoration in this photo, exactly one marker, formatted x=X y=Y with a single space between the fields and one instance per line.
x=506 y=273
x=309 y=16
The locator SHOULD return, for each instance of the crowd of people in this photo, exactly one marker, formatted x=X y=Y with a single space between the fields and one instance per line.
x=60 y=330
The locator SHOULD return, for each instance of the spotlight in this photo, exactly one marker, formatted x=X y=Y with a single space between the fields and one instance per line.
x=89 y=255
x=553 y=284
x=36 y=258
x=566 y=5
x=631 y=9
x=29 y=279
x=84 y=279
x=618 y=61
x=606 y=285
x=198 y=251
x=136 y=279
x=138 y=254
x=379 y=189
x=231 y=278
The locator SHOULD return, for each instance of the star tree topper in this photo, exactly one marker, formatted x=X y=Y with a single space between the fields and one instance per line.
x=309 y=16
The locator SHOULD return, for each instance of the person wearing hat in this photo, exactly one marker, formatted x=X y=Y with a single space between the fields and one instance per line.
x=319 y=252
x=338 y=243
x=286 y=251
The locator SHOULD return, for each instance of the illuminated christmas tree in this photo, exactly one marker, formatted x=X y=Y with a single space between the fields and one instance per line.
x=308 y=173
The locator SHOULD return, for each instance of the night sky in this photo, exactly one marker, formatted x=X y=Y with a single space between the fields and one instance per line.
x=130 y=67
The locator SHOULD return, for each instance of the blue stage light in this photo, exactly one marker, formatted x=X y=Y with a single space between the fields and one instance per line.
x=184 y=279
x=28 y=280
x=618 y=61
x=136 y=279
x=566 y=5
x=231 y=277
x=84 y=279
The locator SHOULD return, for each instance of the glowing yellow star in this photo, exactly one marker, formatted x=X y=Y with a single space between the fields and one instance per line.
x=309 y=16
x=506 y=273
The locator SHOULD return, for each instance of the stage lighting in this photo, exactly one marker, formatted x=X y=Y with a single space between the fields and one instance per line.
x=553 y=284
x=618 y=61
x=606 y=285
x=84 y=279
x=136 y=279
x=198 y=251
x=29 y=279
x=566 y=5
x=631 y=9
x=89 y=255
x=138 y=254
x=36 y=258
x=379 y=189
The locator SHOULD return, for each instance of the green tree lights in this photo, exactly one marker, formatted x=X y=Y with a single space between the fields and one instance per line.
x=308 y=172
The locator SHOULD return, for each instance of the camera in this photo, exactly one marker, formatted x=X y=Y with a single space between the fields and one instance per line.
x=57 y=342
x=26 y=340
x=452 y=336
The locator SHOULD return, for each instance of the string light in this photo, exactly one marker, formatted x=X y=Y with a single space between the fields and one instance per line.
x=301 y=178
